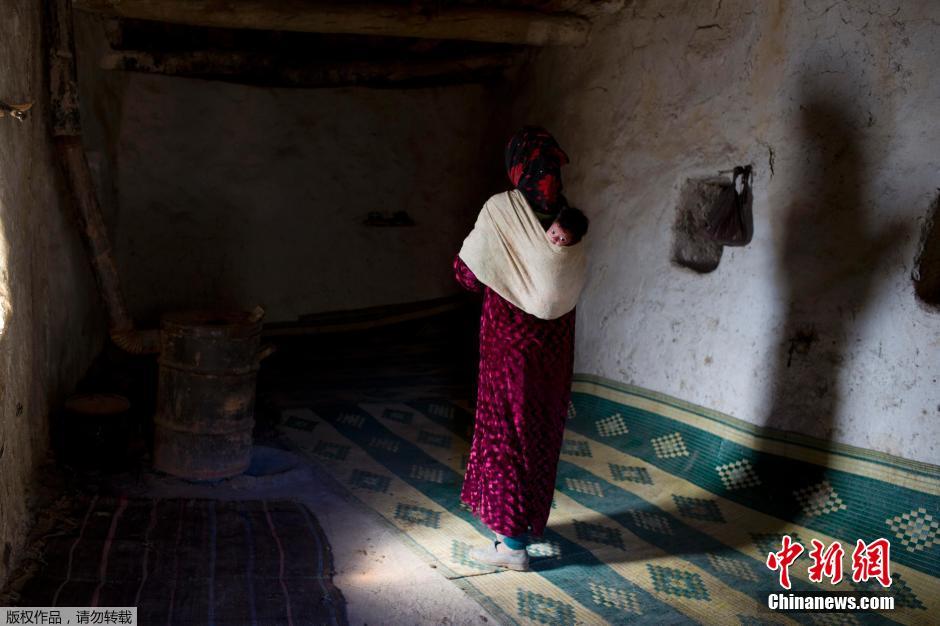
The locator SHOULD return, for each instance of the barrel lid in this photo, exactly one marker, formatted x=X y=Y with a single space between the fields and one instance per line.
x=97 y=403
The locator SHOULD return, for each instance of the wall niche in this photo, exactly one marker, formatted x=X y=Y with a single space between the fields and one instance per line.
x=926 y=274
x=697 y=244
x=691 y=247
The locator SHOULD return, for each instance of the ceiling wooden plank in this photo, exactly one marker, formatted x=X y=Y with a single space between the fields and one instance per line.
x=463 y=23
x=270 y=70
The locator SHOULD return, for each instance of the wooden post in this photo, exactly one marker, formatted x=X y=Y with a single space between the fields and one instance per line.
x=64 y=90
x=67 y=135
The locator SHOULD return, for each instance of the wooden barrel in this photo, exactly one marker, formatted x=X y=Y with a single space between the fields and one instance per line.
x=206 y=393
x=96 y=431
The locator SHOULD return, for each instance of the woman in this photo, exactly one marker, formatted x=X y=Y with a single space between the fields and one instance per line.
x=526 y=360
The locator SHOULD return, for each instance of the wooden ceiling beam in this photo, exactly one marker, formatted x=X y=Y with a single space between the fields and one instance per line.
x=463 y=23
x=270 y=70
x=587 y=8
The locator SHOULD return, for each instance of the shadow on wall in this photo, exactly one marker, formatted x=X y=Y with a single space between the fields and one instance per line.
x=829 y=260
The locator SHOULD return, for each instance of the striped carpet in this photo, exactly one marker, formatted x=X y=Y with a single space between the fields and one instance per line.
x=184 y=561
x=664 y=512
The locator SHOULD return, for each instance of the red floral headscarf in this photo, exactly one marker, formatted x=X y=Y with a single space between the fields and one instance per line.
x=533 y=162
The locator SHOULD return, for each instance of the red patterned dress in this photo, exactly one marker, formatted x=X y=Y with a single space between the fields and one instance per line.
x=524 y=388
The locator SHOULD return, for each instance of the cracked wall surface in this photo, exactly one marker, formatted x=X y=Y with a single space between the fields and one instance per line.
x=52 y=323
x=813 y=327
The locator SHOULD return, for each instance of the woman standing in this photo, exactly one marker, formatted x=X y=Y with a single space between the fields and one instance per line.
x=526 y=357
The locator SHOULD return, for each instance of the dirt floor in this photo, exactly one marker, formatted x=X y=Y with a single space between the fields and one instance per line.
x=380 y=580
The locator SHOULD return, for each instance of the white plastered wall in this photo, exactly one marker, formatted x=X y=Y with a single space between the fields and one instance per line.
x=813 y=327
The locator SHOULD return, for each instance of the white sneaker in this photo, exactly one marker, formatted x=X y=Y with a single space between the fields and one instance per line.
x=501 y=556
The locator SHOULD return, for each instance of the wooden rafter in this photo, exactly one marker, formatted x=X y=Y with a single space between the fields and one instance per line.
x=270 y=70
x=464 y=23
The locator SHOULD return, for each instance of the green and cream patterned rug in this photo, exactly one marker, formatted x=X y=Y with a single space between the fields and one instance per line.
x=664 y=512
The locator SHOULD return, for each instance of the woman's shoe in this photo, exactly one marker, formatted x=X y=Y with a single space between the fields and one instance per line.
x=501 y=556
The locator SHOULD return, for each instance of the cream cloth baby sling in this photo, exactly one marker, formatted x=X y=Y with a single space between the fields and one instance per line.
x=510 y=253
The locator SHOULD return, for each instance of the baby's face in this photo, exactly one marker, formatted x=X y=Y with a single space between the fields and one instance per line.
x=559 y=236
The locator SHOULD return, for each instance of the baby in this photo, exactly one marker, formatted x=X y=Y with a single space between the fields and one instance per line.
x=569 y=227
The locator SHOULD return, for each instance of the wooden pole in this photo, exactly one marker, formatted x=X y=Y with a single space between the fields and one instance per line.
x=270 y=70
x=466 y=23
x=67 y=137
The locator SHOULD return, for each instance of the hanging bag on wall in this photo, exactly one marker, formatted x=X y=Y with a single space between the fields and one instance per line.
x=729 y=221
